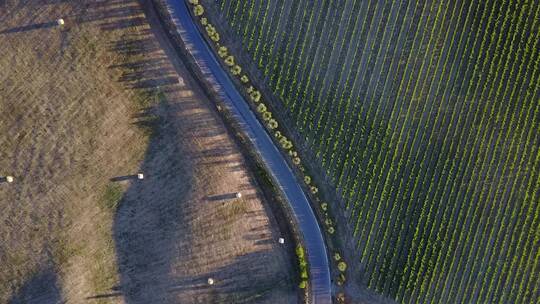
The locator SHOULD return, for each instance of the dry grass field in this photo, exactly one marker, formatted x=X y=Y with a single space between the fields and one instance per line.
x=85 y=106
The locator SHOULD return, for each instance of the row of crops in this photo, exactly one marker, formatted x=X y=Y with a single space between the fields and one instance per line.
x=425 y=116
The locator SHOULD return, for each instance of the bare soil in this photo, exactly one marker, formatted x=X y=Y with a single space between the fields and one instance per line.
x=83 y=108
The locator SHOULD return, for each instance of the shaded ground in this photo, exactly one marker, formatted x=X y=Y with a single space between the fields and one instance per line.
x=90 y=105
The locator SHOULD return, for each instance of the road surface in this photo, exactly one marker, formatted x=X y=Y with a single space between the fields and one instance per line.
x=213 y=72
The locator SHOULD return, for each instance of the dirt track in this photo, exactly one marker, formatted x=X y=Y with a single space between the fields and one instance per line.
x=100 y=99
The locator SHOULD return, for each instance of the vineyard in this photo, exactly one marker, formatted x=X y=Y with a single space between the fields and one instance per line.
x=425 y=117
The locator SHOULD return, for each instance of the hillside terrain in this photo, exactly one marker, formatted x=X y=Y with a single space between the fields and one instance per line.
x=86 y=106
x=424 y=121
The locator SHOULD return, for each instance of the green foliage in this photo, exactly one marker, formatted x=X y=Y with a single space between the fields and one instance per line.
x=331 y=230
x=236 y=70
x=215 y=37
x=342 y=266
x=229 y=60
x=300 y=252
x=261 y=108
x=324 y=206
x=431 y=143
x=272 y=124
x=337 y=256
x=255 y=95
x=303 y=284
x=223 y=51
x=302 y=263
x=267 y=116
x=244 y=79
x=111 y=197
x=341 y=279
x=198 y=10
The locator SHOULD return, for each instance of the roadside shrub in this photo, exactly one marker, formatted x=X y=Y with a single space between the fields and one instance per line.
x=255 y=96
x=261 y=108
x=293 y=153
x=267 y=116
x=204 y=21
x=341 y=279
x=342 y=266
x=337 y=256
x=307 y=179
x=194 y=2
x=324 y=206
x=244 y=79
x=229 y=60
x=285 y=143
x=210 y=29
x=340 y=298
x=223 y=51
x=236 y=70
x=272 y=124
x=331 y=230
x=314 y=189
x=278 y=134
x=215 y=37
x=296 y=161
x=328 y=222
x=300 y=252
x=198 y=10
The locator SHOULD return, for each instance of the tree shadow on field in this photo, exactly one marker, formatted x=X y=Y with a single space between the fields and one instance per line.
x=231 y=285
x=152 y=228
x=150 y=214
x=111 y=15
x=29 y=27
x=42 y=287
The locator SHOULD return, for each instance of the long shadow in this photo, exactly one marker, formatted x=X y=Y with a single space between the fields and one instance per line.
x=41 y=288
x=150 y=214
x=123 y=178
x=221 y=197
x=233 y=286
x=30 y=27
x=153 y=220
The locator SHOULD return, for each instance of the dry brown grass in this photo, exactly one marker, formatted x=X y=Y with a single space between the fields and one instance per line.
x=101 y=98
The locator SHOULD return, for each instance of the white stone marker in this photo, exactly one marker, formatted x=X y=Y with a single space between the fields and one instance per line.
x=281 y=240
x=210 y=281
x=60 y=22
x=9 y=179
x=238 y=194
x=140 y=176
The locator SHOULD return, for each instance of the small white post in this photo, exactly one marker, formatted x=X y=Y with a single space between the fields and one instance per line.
x=238 y=194
x=210 y=281
x=140 y=176
x=9 y=179
x=60 y=22
x=281 y=240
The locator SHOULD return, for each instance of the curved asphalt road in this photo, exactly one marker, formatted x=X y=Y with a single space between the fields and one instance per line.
x=214 y=73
